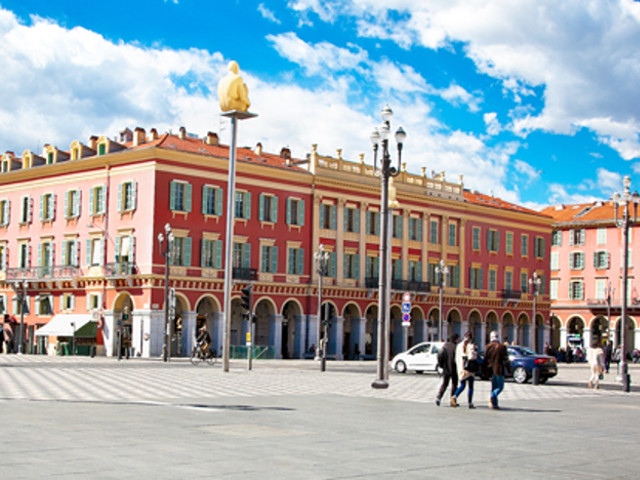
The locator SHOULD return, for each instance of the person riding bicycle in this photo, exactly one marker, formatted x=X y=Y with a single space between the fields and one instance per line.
x=204 y=341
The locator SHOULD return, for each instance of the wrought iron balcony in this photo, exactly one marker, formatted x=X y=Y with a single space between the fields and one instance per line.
x=59 y=272
x=511 y=294
x=245 y=274
x=411 y=286
x=119 y=269
x=371 y=282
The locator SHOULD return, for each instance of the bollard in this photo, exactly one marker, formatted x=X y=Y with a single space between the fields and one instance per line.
x=536 y=376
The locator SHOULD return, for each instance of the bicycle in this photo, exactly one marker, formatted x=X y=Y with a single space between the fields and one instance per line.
x=198 y=356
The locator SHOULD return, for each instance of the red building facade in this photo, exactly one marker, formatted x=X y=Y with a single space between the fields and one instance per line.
x=80 y=229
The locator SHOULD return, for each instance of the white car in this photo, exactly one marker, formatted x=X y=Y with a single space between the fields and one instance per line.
x=419 y=358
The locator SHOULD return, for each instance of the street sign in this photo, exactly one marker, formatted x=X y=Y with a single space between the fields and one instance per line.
x=406 y=297
x=406 y=319
x=406 y=307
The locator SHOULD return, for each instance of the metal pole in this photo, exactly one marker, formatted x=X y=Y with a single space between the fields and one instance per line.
x=625 y=274
x=228 y=244
x=440 y=308
x=23 y=302
x=250 y=344
x=383 y=300
x=320 y=272
x=325 y=339
x=166 y=340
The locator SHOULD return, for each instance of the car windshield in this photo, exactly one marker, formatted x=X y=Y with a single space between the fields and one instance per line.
x=420 y=349
x=522 y=351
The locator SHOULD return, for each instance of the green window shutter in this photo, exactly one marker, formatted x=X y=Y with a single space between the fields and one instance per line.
x=345 y=265
x=332 y=264
x=334 y=224
x=264 y=258
x=261 y=207
x=118 y=242
x=119 y=204
x=274 y=260
x=101 y=251
x=247 y=205
x=368 y=223
x=134 y=195
x=218 y=263
x=291 y=261
x=246 y=255
x=419 y=225
x=419 y=271
x=356 y=222
x=356 y=269
x=219 y=197
x=63 y=253
x=203 y=248
x=66 y=205
x=88 y=253
x=102 y=208
x=188 y=197
x=571 y=235
x=488 y=240
x=301 y=214
x=321 y=215
x=41 y=207
x=400 y=225
x=300 y=262
x=411 y=228
x=172 y=195
x=205 y=204
x=274 y=209
x=288 y=213
x=345 y=219
x=472 y=277
x=76 y=207
x=187 y=251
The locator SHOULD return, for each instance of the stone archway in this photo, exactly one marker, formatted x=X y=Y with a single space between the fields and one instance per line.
x=352 y=332
x=454 y=322
x=371 y=332
x=208 y=316
x=523 y=331
x=599 y=330
x=508 y=328
x=556 y=326
x=419 y=327
x=475 y=327
x=295 y=337
x=492 y=325
x=397 y=342
x=177 y=328
x=127 y=336
x=267 y=330
x=629 y=344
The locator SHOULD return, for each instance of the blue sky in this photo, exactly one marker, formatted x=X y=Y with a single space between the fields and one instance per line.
x=534 y=101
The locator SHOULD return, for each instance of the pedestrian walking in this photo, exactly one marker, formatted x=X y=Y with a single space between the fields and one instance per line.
x=497 y=360
x=447 y=362
x=467 y=366
x=595 y=357
x=608 y=350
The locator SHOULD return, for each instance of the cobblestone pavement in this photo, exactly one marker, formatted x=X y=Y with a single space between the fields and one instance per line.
x=136 y=380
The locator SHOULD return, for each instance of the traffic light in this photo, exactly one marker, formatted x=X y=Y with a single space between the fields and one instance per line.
x=247 y=298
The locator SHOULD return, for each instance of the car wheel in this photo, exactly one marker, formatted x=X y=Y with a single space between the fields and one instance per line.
x=520 y=375
x=401 y=367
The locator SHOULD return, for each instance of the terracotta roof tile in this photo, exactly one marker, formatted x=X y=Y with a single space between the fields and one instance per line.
x=581 y=212
x=482 y=199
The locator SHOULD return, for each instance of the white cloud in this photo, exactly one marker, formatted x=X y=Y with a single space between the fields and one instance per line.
x=527 y=170
x=609 y=181
x=492 y=123
x=558 y=194
x=267 y=14
x=456 y=95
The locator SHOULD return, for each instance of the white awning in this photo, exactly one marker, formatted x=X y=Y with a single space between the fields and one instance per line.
x=64 y=325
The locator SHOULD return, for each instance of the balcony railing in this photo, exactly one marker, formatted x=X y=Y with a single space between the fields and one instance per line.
x=511 y=294
x=119 y=269
x=372 y=282
x=245 y=274
x=410 y=286
x=60 y=272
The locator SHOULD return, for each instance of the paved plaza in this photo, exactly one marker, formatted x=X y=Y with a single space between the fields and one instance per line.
x=66 y=417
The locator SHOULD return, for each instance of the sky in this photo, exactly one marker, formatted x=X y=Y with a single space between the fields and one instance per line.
x=533 y=101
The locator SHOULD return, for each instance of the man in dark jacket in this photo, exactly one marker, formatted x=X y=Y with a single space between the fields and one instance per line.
x=447 y=362
x=497 y=358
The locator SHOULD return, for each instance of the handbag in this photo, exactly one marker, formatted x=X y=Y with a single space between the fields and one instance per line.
x=471 y=366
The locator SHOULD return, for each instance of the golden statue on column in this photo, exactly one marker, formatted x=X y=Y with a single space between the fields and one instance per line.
x=232 y=91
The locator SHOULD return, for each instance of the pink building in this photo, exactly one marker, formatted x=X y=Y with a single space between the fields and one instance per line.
x=586 y=276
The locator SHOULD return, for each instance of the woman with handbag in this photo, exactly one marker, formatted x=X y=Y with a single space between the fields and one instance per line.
x=467 y=365
x=595 y=357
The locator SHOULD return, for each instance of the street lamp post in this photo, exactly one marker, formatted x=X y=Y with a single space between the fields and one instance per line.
x=166 y=252
x=442 y=271
x=380 y=137
x=21 y=292
x=609 y=292
x=322 y=260
x=534 y=282
x=624 y=200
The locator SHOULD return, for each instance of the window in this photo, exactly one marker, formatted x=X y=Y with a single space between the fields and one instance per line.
x=556 y=238
x=601 y=289
x=4 y=213
x=540 y=247
x=295 y=212
x=68 y=301
x=127 y=196
x=352 y=220
x=3 y=304
x=44 y=305
x=98 y=200
x=453 y=279
x=371 y=267
x=396 y=231
x=553 y=289
x=396 y=269
x=47 y=207
x=415 y=229
x=94 y=301
x=125 y=249
x=373 y=223
x=102 y=149
x=327 y=216
x=493 y=240
x=433 y=231
x=268 y=208
x=601 y=259
x=211 y=253
x=70 y=253
x=25 y=210
x=211 y=200
x=45 y=258
x=243 y=205
x=523 y=282
x=295 y=264
x=509 y=243
x=475 y=238
x=577 y=236
x=24 y=251
x=475 y=278
x=95 y=252
x=414 y=273
x=453 y=240
x=554 y=260
x=576 y=290
x=524 y=245
x=576 y=260
x=492 y=279
x=432 y=276
x=3 y=257
x=50 y=157
x=269 y=260
x=602 y=236
x=72 y=204
x=181 y=252
x=241 y=255
x=18 y=306
x=351 y=265
x=508 y=280
x=180 y=196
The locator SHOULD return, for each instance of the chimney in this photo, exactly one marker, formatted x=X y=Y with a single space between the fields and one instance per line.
x=139 y=136
x=93 y=142
x=153 y=134
x=183 y=133
x=211 y=139
x=285 y=153
x=258 y=149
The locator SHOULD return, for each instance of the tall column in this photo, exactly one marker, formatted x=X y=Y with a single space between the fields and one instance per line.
x=109 y=332
x=217 y=328
x=563 y=337
x=586 y=337
x=300 y=335
x=362 y=335
x=313 y=331
x=275 y=334
x=340 y=240
x=336 y=337
x=188 y=332
x=483 y=335
x=533 y=337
